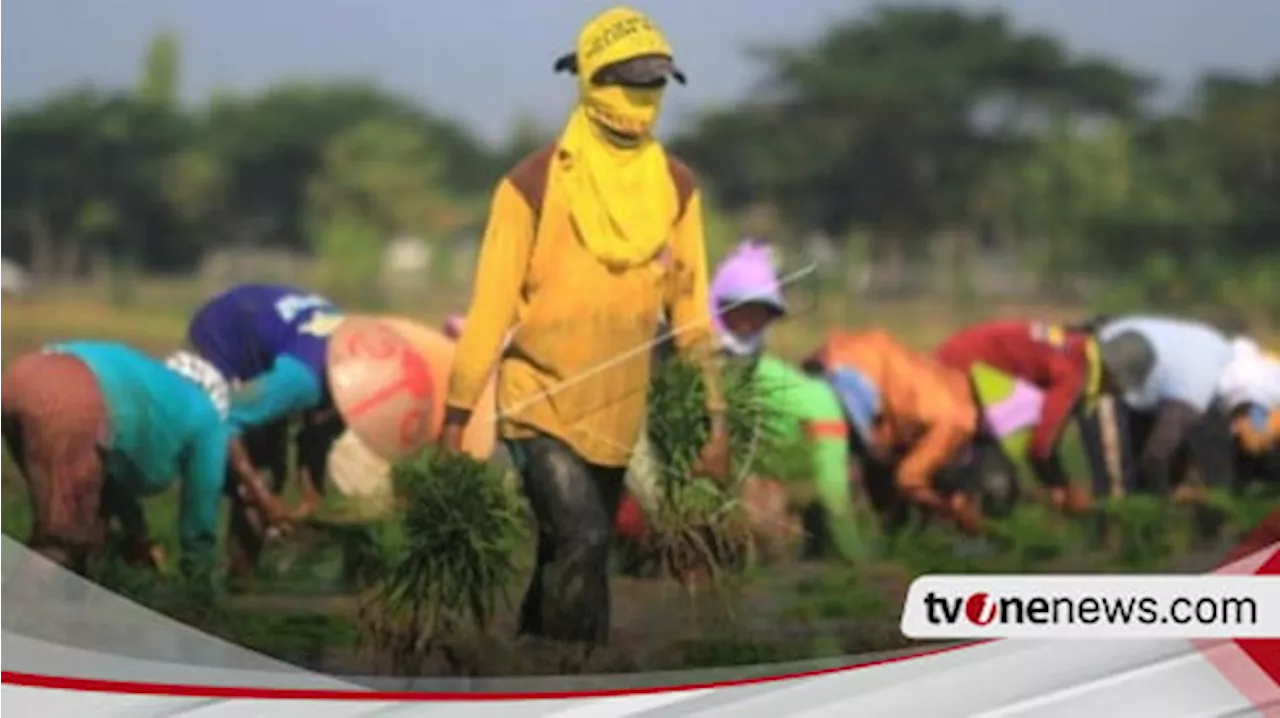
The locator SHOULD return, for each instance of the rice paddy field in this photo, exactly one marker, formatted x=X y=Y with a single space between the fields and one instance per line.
x=304 y=607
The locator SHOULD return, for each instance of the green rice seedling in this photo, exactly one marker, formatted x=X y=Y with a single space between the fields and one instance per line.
x=366 y=533
x=444 y=562
x=1142 y=526
x=719 y=652
x=700 y=529
x=1035 y=539
x=295 y=637
x=1246 y=509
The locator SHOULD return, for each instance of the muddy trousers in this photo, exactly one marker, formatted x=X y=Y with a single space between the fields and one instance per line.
x=574 y=503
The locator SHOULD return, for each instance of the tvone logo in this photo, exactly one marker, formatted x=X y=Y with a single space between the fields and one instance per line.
x=980 y=609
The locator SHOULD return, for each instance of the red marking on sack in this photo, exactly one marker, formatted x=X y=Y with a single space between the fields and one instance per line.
x=414 y=426
x=414 y=377
x=372 y=344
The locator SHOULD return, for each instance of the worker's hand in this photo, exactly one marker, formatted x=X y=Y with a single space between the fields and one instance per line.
x=451 y=437
x=309 y=504
x=1073 y=500
x=713 y=460
x=278 y=521
x=311 y=499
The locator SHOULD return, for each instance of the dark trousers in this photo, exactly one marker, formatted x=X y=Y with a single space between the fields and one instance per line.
x=981 y=471
x=574 y=503
x=1115 y=437
x=1264 y=469
x=986 y=473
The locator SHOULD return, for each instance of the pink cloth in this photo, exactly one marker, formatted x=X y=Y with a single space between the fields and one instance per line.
x=55 y=421
x=1020 y=410
x=453 y=326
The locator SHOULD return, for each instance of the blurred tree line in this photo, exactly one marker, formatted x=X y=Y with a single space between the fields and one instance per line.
x=897 y=134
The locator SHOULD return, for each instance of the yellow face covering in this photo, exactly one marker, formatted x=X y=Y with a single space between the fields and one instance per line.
x=621 y=197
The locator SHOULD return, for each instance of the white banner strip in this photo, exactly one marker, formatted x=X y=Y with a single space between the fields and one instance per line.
x=1146 y=607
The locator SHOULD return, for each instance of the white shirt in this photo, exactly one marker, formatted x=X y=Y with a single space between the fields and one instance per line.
x=1190 y=358
x=1252 y=377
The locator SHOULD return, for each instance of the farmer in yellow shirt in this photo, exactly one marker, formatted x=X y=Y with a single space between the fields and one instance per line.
x=589 y=240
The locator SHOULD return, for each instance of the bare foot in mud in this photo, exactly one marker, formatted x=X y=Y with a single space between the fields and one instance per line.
x=143 y=554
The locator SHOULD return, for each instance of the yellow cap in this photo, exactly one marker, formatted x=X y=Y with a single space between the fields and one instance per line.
x=614 y=36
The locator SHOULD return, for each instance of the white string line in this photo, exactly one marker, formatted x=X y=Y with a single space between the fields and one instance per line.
x=671 y=470
x=648 y=345
x=664 y=467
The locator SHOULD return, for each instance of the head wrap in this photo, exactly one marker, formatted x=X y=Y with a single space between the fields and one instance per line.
x=621 y=57
x=859 y=397
x=748 y=275
x=198 y=370
x=1130 y=358
x=1251 y=377
x=453 y=326
x=620 y=193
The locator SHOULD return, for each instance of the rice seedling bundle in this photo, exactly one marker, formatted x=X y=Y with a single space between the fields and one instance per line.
x=1140 y=529
x=445 y=559
x=700 y=528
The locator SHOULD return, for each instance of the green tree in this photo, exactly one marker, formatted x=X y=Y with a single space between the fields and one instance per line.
x=1237 y=128
x=83 y=153
x=160 y=80
x=378 y=180
x=892 y=120
x=1096 y=196
x=526 y=136
x=273 y=145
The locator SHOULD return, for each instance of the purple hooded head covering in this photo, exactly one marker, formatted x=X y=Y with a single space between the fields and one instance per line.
x=748 y=275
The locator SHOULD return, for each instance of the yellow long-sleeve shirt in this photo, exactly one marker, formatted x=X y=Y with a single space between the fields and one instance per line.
x=578 y=363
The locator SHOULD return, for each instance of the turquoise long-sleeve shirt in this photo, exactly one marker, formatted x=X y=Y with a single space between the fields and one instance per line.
x=807 y=409
x=164 y=429
x=288 y=388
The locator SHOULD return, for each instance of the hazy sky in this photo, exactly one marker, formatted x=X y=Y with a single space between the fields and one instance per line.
x=485 y=61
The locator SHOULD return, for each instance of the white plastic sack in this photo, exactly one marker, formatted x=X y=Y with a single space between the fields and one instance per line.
x=1251 y=377
x=356 y=472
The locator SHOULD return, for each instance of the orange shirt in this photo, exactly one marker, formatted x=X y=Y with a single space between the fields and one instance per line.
x=927 y=411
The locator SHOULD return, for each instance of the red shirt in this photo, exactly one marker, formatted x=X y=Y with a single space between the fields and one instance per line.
x=1042 y=354
x=629 y=523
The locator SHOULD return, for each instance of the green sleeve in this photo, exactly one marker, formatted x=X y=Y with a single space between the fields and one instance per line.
x=831 y=478
x=797 y=399
x=787 y=391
